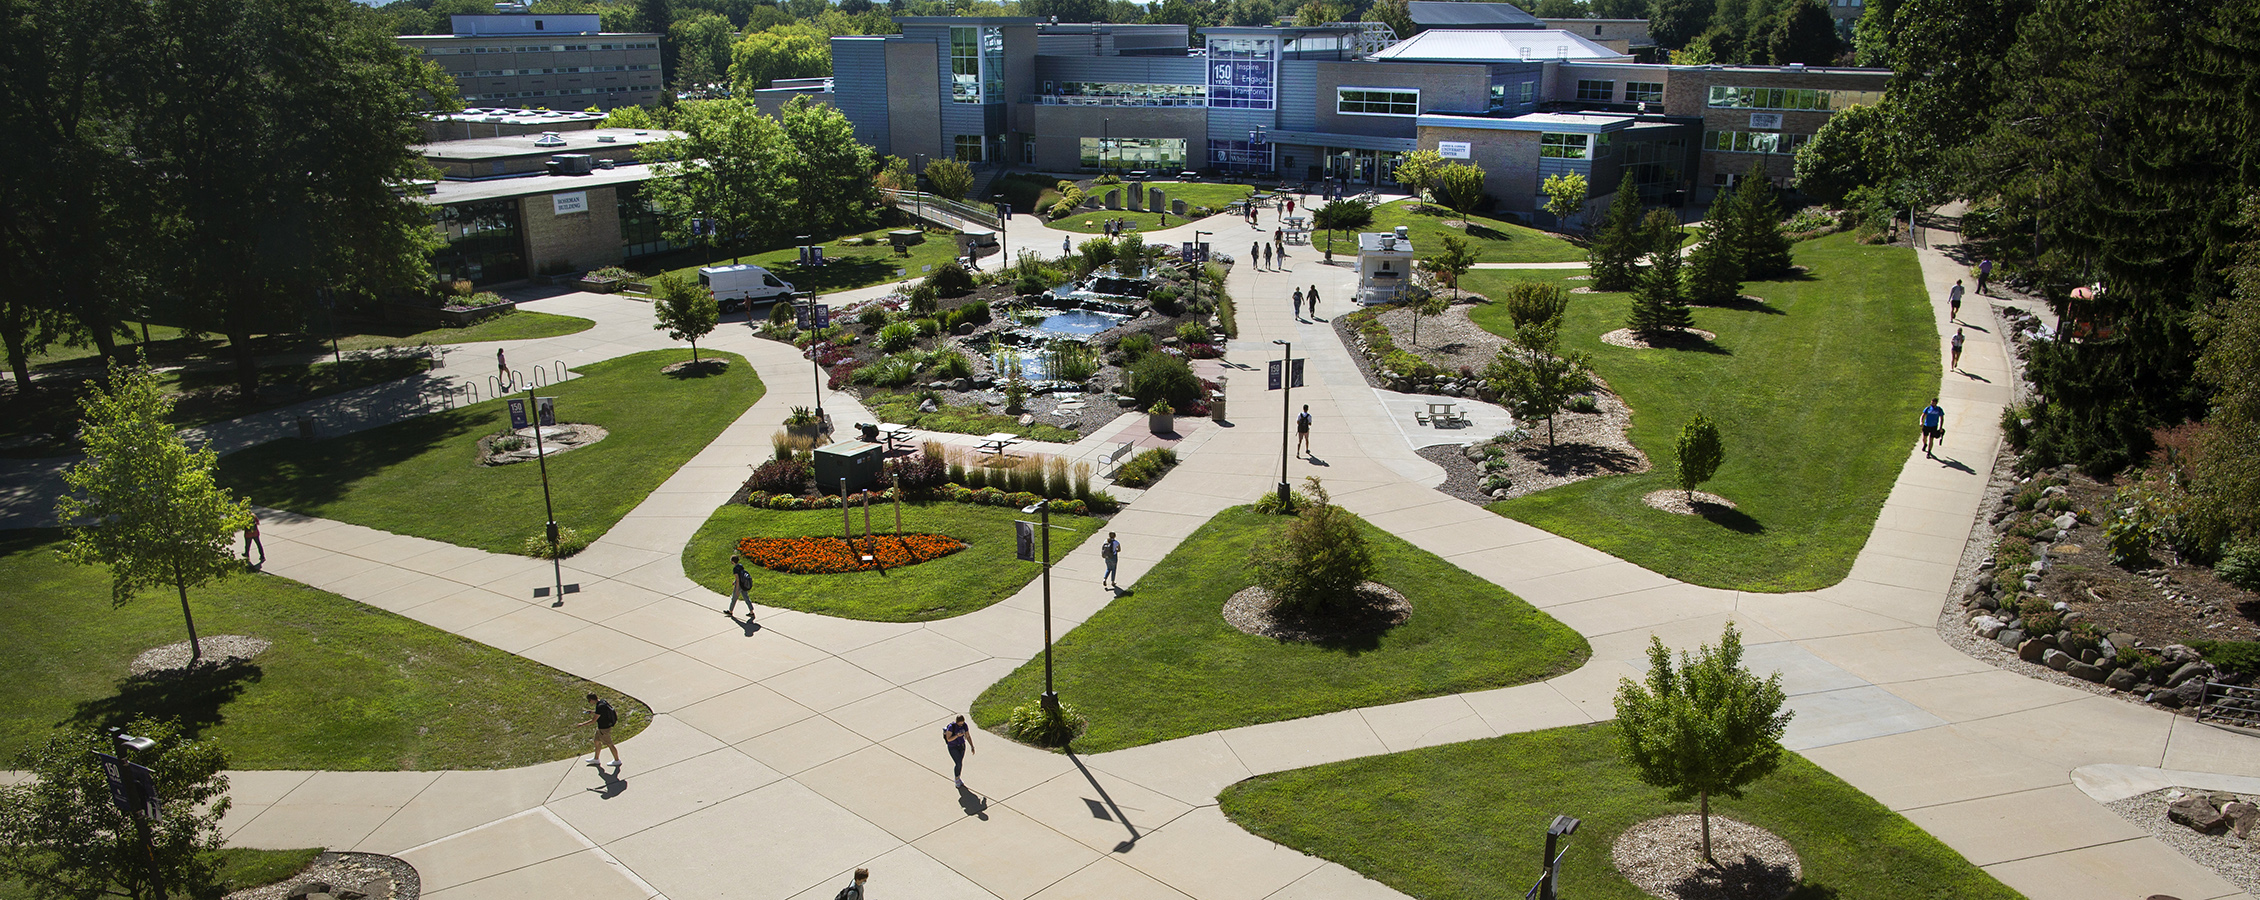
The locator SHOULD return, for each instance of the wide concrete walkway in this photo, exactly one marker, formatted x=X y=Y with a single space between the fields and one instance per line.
x=784 y=755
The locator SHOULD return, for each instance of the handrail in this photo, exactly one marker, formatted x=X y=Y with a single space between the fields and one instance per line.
x=924 y=203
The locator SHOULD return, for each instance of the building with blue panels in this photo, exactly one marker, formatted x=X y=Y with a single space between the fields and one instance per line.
x=1342 y=102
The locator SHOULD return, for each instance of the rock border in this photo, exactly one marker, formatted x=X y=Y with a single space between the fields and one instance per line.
x=561 y=438
x=2231 y=857
x=1249 y=611
x=1664 y=858
x=344 y=875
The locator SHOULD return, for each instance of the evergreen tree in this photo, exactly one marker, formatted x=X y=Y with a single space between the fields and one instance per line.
x=1659 y=307
x=1610 y=258
x=1714 y=275
x=1660 y=232
x=1757 y=213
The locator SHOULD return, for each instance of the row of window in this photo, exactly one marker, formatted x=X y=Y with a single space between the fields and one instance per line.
x=1790 y=98
x=562 y=70
x=561 y=92
x=541 y=48
x=1753 y=141
x=1376 y=102
x=1162 y=94
x=1634 y=91
x=1153 y=154
x=1562 y=145
x=1525 y=93
x=976 y=64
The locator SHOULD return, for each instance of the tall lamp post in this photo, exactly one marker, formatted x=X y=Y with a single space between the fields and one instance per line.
x=1286 y=404
x=1004 y=242
x=1200 y=265
x=133 y=789
x=1050 y=699
x=1106 y=150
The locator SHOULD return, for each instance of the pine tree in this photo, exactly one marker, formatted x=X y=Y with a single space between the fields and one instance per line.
x=1659 y=308
x=1757 y=217
x=1612 y=255
x=1714 y=276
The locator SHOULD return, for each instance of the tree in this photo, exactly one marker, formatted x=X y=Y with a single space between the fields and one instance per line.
x=1700 y=451
x=1460 y=186
x=1674 y=23
x=1873 y=37
x=145 y=504
x=1314 y=563
x=1193 y=13
x=1565 y=195
x=2225 y=477
x=702 y=52
x=1660 y=233
x=950 y=178
x=1451 y=261
x=1714 y=275
x=1340 y=215
x=1709 y=728
x=791 y=51
x=1417 y=171
x=1314 y=13
x=1613 y=254
x=1560 y=9
x=1531 y=372
x=686 y=309
x=731 y=166
x=1846 y=153
x=1764 y=249
x=1252 y=12
x=831 y=171
x=1659 y=307
x=894 y=175
x=1619 y=9
x=60 y=837
x=1805 y=34
x=1397 y=14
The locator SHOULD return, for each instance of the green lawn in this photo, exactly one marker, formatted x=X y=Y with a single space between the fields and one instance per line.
x=1469 y=821
x=1161 y=662
x=421 y=477
x=902 y=409
x=970 y=579
x=239 y=869
x=1815 y=393
x=345 y=686
x=845 y=266
x=167 y=346
x=201 y=396
x=1494 y=241
x=1195 y=194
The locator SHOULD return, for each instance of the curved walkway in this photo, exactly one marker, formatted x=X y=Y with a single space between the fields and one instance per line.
x=781 y=757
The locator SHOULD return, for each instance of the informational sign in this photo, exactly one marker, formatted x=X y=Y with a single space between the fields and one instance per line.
x=132 y=789
x=1024 y=540
x=121 y=793
x=1295 y=375
x=1453 y=149
x=1769 y=121
x=1240 y=72
x=823 y=316
x=569 y=203
x=544 y=410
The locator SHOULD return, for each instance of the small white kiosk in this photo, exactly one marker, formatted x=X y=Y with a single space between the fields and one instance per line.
x=1385 y=266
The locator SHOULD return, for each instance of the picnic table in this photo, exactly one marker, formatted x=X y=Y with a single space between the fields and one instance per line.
x=1440 y=413
x=892 y=433
x=996 y=442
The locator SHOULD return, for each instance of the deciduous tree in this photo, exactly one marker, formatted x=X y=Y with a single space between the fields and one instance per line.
x=1397 y=14
x=791 y=51
x=1709 y=727
x=1848 y=151
x=60 y=837
x=1699 y=452
x=732 y=166
x=1565 y=196
x=1314 y=563
x=686 y=310
x=1532 y=373
x=1460 y=186
x=831 y=171
x=950 y=178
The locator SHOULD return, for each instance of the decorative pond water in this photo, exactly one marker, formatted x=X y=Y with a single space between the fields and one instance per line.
x=1031 y=345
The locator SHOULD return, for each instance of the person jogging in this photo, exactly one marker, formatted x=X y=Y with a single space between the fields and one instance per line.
x=1955 y=359
x=1954 y=302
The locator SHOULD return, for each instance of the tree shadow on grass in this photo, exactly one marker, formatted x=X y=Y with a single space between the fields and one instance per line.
x=192 y=699
x=1745 y=877
x=1810 y=891
x=1729 y=518
x=1745 y=303
x=1580 y=459
x=299 y=474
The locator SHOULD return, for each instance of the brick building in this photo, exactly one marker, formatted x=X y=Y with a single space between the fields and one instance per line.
x=550 y=61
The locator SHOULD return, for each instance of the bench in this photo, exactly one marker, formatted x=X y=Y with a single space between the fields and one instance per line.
x=1115 y=457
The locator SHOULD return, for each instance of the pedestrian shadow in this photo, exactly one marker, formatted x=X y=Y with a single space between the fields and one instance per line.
x=613 y=785
x=1955 y=464
x=748 y=625
x=190 y=698
x=974 y=804
x=1314 y=460
x=1105 y=807
x=1975 y=376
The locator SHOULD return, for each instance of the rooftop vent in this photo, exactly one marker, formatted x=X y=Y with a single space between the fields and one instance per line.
x=607 y=139
x=1404 y=233
x=549 y=139
x=1793 y=67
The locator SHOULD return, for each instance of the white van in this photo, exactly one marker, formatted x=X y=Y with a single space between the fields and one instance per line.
x=741 y=285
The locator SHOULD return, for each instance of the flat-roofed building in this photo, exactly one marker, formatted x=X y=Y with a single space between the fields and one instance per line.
x=508 y=215
x=552 y=61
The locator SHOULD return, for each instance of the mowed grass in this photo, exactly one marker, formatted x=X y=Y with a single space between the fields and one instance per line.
x=1493 y=241
x=845 y=265
x=345 y=686
x=422 y=477
x=1468 y=821
x=1161 y=662
x=239 y=869
x=983 y=573
x=168 y=346
x=1815 y=392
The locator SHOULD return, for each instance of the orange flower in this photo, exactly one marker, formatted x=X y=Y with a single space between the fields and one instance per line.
x=832 y=555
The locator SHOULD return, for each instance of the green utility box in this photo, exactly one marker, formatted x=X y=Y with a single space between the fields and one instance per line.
x=857 y=461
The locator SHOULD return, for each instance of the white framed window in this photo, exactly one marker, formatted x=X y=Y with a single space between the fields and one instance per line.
x=1357 y=101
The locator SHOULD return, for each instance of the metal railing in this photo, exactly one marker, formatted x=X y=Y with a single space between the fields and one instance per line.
x=928 y=205
x=2230 y=705
x=1092 y=100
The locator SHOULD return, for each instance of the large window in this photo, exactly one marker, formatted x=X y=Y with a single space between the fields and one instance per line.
x=976 y=64
x=1753 y=141
x=1561 y=145
x=1643 y=92
x=643 y=227
x=1655 y=166
x=1109 y=93
x=1376 y=102
x=1121 y=154
x=1240 y=156
x=1789 y=98
x=483 y=242
x=968 y=147
x=1240 y=72
x=1596 y=90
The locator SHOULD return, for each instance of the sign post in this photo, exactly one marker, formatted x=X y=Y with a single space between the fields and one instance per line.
x=1286 y=373
x=541 y=412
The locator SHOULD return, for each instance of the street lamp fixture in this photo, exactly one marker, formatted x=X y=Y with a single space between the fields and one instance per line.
x=1004 y=243
x=1050 y=700
x=1562 y=827
x=918 y=193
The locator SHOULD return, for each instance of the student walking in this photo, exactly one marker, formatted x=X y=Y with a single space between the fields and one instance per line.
x=1956 y=358
x=1066 y=248
x=854 y=891
x=1267 y=257
x=1111 y=551
x=1954 y=302
x=1314 y=301
x=1298 y=304
x=502 y=367
x=1279 y=240
x=741 y=586
x=1985 y=273
x=602 y=716
x=1302 y=432
x=1255 y=258
x=251 y=539
x=958 y=737
x=1934 y=426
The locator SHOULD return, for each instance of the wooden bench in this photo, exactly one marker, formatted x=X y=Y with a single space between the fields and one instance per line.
x=1116 y=457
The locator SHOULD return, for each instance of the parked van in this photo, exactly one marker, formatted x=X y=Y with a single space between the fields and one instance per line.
x=740 y=286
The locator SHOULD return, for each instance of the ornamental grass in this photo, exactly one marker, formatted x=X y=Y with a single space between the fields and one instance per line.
x=834 y=555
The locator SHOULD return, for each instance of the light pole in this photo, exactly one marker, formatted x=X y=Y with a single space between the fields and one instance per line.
x=1286 y=403
x=1004 y=242
x=1200 y=265
x=541 y=458
x=141 y=791
x=1106 y=148
x=1050 y=699
x=1562 y=827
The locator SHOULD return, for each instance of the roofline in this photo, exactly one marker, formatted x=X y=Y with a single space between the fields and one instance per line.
x=966 y=20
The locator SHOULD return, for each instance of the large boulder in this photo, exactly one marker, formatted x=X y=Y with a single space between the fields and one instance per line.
x=2241 y=816
x=2197 y=813
x=2014 y=639
x=2085 y=672
x=2122 y=680
x=2187 y=672
x=2033 y=651
x=2056 y=659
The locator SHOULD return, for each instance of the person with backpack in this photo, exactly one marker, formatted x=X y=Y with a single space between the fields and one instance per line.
x=1302 y=431
x=602 y=716
x=958 y=737
x=1313 y=301
x=1111 y=551
x=854 y=891
x=1954 y=302
x=741 y=587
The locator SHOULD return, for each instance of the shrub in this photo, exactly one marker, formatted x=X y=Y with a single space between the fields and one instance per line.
x=1314 y=563
x=1193 y=332
x=951 y=280
x=1583 y=403
x=1146 y=468
x=569 y=542
x=952 y=364
x=1136 y=345
x=897 y=337
x=1167 y=300
x=1072 y=360
x=1033 y=724
x=2235 y=656
x=788 y=445
x=1102 y=502
x=892 y=371
x=2240 y=564
x=1159 y=377
x=872 y=316
x=782 y=476
x=919 y=471
x=2044 y=623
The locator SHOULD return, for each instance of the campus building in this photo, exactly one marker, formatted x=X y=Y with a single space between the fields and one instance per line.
x=1343 y=102
x=522 y=59
x=514 y=206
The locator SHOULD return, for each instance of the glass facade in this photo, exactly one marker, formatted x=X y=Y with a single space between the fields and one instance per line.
x=1753 y=141
x=1560 y=145
x=976 y=64
x=1376 y=102
x=1643 y=92
x=1655 y=166
x=1097 y=93
x=1596 y=90
x=1723 y=97
x=1134 y=153
x=967 y=147
x=1242 y=72
x=485 y=242
x=643 y=225
x=1240 y=156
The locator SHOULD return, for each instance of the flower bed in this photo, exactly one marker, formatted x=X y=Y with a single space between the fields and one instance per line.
x=832 y=555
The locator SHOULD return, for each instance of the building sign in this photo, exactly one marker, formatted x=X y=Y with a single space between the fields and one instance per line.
x=578 y=201
x=1240 y=72
x=1453 y=149
x=1771 y=121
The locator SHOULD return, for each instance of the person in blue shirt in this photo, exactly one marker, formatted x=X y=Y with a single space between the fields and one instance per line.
x=1934 y=425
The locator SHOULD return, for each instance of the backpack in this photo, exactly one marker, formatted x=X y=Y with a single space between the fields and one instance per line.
x=851 y=892
x=745 y=580
x=605 y=717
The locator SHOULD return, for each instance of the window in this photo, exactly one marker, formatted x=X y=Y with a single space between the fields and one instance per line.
x=1643 y=92
x=1027 y=151
x=1562 y=146
x=1529 y=91
x=969 y=147
x=1240 y=72
x=643 y=226
x=1109 y=93
x=1376 y=102
x=1753 y=142
x=1129 y=153
x=965 y=64
x=1596 y=90
x=482 y=243
x=1498 y=97
x=1724 y=97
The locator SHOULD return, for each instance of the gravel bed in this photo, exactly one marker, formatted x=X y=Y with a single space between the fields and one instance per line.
x=1381 y=608
x=1450 y=341
x=219 y=650
x=374 y=875
x=2231 y=857
x=1678 y=502
x=1664 y=857
x=1681 y=337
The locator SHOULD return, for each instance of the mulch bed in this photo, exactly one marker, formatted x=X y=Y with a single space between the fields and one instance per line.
x=832 y=556
x=1677 y=502
x=1379 y=608
x=1680 y=337
x=1664 y=857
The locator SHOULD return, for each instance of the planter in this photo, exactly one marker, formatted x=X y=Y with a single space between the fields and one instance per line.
x=600 y=285
x=453 y=317
x=810 y=430
x=1161 y=423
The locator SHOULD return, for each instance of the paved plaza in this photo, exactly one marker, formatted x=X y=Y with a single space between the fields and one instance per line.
x=782 y=758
